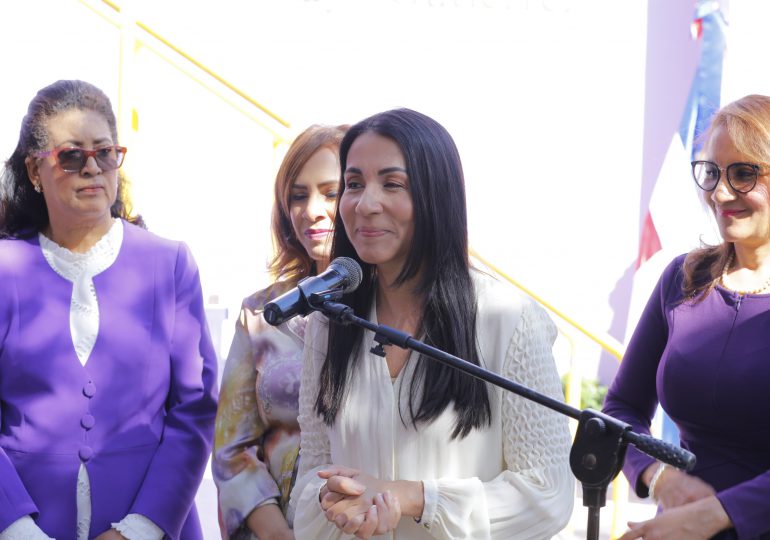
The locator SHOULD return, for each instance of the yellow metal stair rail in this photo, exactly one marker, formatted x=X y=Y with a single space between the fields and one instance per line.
x=121 y=17
x=607 y=343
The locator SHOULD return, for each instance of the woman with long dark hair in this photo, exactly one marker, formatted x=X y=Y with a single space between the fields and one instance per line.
x=404 y=443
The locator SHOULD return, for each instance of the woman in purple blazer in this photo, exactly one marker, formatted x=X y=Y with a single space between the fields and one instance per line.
x=107 y=371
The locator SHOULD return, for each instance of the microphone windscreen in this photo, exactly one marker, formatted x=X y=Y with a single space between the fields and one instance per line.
x=351 y=269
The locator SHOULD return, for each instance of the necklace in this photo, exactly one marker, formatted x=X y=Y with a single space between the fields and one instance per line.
x=728 y=264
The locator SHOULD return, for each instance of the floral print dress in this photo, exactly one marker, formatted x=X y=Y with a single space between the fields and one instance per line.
x=257 y=434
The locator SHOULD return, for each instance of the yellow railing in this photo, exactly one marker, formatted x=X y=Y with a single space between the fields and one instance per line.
x=607 y=343
x=121 y=17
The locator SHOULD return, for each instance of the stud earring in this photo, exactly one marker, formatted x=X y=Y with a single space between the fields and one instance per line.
x=38 y=188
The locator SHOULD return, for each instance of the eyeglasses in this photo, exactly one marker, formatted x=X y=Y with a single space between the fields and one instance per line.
x=742 y=177
x=71 y=159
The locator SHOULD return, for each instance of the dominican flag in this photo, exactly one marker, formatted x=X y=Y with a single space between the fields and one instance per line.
x=676 y=219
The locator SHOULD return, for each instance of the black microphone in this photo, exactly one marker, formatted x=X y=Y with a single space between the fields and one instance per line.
x=343 y=273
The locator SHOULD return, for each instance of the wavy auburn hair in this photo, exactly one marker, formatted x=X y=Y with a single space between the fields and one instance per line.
x=291 y=261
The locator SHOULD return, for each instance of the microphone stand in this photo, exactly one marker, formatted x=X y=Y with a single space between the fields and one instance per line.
x=600 y=444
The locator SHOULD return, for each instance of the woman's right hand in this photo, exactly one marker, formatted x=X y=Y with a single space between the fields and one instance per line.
x=381 y=517
x=357 y=503
x=676 y=488
x=698 y=520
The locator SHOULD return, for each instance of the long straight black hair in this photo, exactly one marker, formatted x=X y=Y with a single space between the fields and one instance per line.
x=439 y=256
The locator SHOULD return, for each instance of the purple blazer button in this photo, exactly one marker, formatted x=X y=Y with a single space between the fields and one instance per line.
x=86 y=453
x=89 y=389
x=88 y=421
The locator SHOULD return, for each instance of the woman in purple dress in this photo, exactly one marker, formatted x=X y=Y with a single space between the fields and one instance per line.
x=257 y=434
x=702 y=346
x=107 y=371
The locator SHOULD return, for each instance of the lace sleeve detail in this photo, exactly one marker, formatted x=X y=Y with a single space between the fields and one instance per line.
x=314 y=446
x=315 y=449
x=534 y=437
x=23 y=529
x=532 y=497
x=138 y=527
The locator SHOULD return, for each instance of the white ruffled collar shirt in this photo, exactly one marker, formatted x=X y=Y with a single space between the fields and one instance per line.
x=80 y=269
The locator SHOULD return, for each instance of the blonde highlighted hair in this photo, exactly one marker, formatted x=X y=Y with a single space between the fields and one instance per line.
x=747 y=123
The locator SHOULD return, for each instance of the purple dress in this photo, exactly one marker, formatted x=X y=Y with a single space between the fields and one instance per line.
x=139 y=414
x=709 y=365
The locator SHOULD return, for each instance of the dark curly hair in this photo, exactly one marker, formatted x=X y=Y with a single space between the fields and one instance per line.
x=23 y=212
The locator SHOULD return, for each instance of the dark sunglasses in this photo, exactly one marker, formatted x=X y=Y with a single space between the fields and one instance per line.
x=71 y=159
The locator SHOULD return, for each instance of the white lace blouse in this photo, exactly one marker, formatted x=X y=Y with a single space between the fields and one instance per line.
x=509 y=481
x=80 y=268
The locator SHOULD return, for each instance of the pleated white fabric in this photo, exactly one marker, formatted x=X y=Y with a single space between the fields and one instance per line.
x=510 y=480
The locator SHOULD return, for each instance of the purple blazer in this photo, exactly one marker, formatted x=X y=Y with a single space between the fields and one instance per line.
x=139 y=414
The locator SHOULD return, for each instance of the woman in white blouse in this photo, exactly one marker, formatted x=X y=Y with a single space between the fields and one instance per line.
x=403 y=444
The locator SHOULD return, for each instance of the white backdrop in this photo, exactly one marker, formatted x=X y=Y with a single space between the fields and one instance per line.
x=544 y=99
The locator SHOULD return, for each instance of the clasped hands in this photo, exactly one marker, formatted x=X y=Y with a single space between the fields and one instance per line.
x=690 y=510
x=357 y=503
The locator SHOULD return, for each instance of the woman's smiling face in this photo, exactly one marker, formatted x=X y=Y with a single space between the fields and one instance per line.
x=376 y=205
